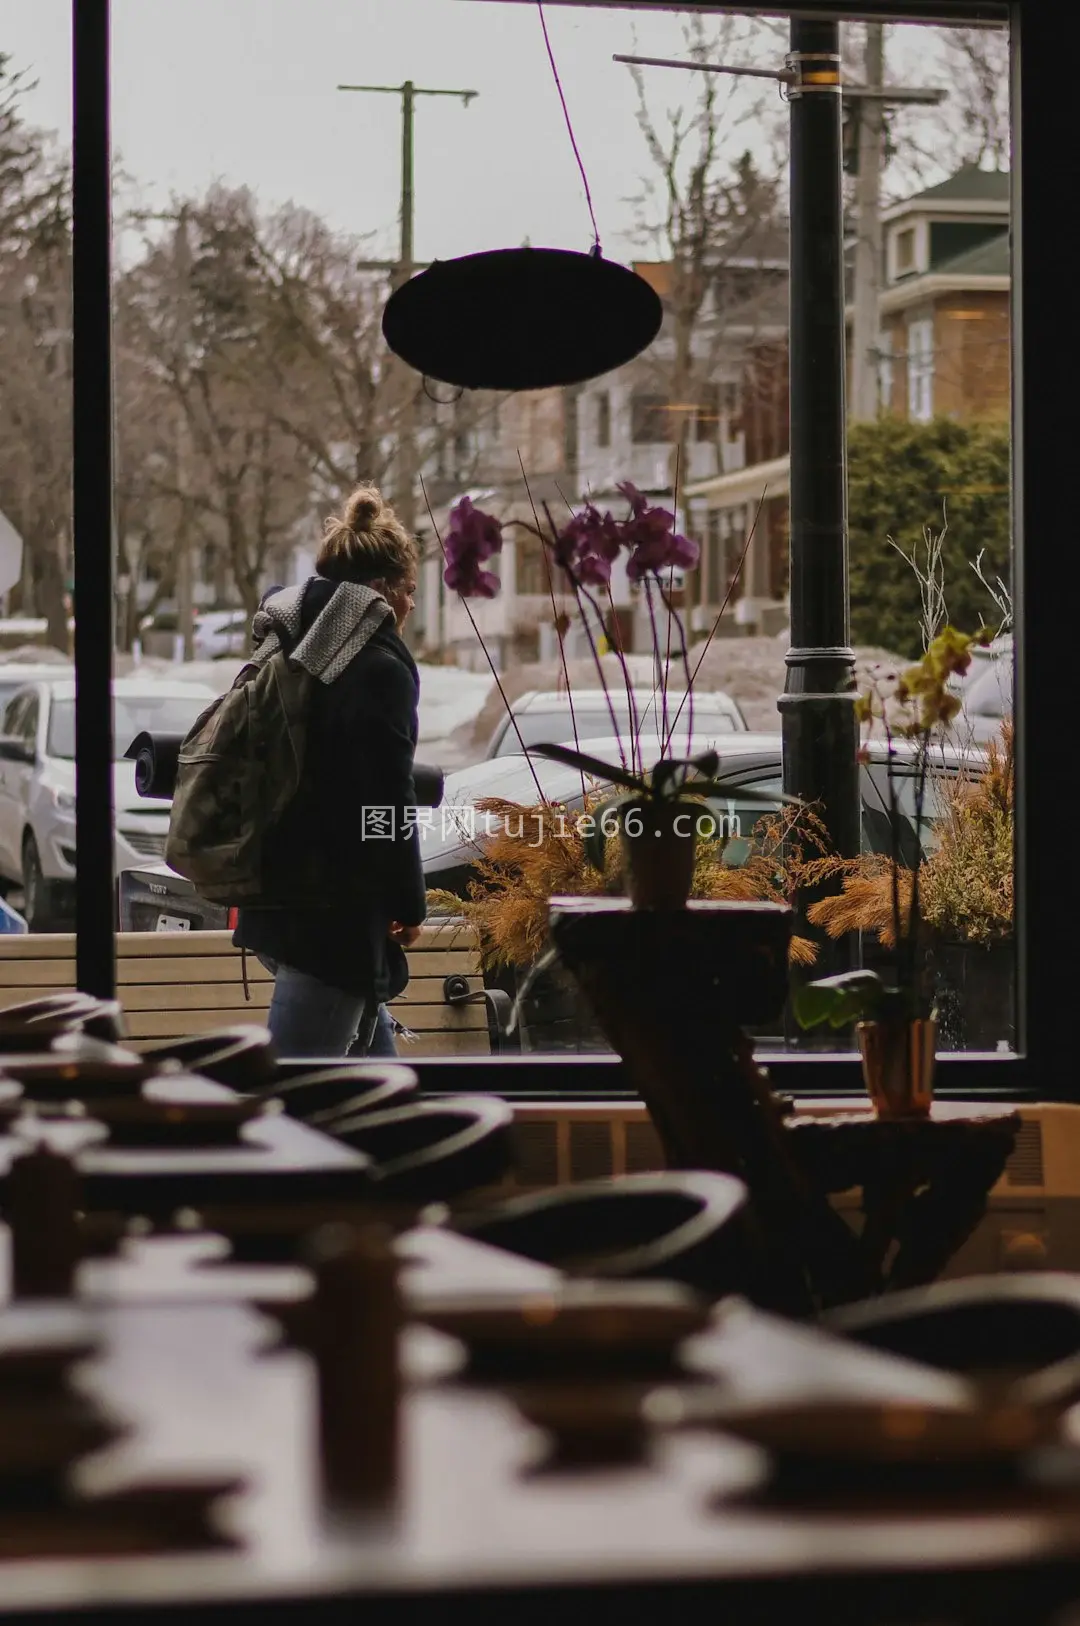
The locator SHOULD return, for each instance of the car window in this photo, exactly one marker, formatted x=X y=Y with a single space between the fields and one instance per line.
x=14 y=711
x=28 y=722
x=9 y=688
x=132 y=714
x=991 y=695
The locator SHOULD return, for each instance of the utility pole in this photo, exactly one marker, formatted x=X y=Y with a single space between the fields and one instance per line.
x=185 y=593
x=185 y=590
x=868 y=103
x=407 y=463
x=869 y=156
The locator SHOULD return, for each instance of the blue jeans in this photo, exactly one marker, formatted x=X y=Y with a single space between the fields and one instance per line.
x=383 y=1042
x=308 y=1017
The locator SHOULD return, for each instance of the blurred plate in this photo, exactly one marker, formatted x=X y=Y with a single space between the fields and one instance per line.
x=76 y=1067
x=575 y=1326
x=142 y=1121
x=875 y=1434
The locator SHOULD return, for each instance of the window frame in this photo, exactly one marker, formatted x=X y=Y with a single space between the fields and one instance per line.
x=1044 y=149
x=920 y=369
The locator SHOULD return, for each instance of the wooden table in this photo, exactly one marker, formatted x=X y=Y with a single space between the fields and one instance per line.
x=478 y=1527
x=276 y=1159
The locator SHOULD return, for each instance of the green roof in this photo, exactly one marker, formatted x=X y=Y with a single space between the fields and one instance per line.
x=968 y=185
x=989 y=259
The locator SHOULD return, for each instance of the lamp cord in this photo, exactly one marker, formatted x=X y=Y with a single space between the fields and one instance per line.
x=570 y=128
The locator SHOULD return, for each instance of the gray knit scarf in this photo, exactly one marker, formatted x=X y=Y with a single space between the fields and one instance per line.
x=338 y=633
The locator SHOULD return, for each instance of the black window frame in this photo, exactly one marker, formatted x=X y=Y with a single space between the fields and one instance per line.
x=1045 y=345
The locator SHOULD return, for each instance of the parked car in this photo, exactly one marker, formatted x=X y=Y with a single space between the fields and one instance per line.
x=986 y=703
x=37 y=786
x=747 y=760
x=547 y=716
x=153 y=897
x=219 y=634
x=15 y=675
x=983 y=656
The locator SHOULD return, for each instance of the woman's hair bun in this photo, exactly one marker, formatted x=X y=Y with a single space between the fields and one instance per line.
x=362 y=510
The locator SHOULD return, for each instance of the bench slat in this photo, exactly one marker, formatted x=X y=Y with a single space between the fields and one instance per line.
x=150 y=1025
x=173 y=984
x=225 y=996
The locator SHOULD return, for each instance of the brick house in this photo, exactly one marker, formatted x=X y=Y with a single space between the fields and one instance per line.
x=943 y=351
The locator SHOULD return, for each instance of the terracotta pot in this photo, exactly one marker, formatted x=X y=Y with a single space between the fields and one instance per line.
x=658 y=852
x=898 y=1066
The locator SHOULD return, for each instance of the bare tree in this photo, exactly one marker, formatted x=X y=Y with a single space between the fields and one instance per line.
x=324 y=310
x=35 y=332
x=970 y=127
x=196 y=312
x=714 y=212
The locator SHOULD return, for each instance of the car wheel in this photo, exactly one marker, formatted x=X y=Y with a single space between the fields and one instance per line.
x=38 y=901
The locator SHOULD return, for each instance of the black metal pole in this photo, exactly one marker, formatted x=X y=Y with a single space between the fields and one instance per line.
x=820 y=735
x=92 y=422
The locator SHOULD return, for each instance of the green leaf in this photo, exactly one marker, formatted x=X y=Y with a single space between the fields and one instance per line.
x=736 y=853
x=852 y=996
x=591 y=765
x=672 y=774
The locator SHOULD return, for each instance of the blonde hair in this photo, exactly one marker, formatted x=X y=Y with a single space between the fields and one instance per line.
x=366 y=542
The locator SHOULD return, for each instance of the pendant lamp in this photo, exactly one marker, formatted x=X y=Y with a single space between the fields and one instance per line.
x=521 y=318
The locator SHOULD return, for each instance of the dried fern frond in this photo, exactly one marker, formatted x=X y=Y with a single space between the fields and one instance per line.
x=865 y=901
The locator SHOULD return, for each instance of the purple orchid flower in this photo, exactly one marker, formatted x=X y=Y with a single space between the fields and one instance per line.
x=587 y=545
x=472 y=537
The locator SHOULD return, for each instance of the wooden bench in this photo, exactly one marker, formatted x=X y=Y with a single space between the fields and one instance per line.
x=172 y=984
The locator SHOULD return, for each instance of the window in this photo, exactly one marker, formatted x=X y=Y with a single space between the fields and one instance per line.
x=920 y=365
x=132 y=715
x=648 y=419
x=15 y=716
x=715 y=565
x=905 y=251
x=885 y=371
x=1038 y=497
x=28 y=727
x=603 y=418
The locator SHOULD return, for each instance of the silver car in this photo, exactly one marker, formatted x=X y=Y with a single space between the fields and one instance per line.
x=37 y=786
x=541 y=718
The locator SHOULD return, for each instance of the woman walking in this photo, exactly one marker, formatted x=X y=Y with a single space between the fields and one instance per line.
x=352 y=824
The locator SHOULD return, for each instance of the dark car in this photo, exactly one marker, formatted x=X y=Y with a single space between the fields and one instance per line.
x=449 y=840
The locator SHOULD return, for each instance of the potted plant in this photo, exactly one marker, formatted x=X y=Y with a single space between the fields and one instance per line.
x=649 y=829
x=895 y=1014
x=535 y=853
x=967 y=904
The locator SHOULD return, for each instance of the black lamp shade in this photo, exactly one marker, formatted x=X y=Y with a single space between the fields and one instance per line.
x=521 y=319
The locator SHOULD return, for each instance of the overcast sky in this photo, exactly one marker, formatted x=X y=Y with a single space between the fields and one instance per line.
x=244 y=90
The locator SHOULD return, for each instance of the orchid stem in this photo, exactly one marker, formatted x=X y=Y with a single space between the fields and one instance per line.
x=487 y=654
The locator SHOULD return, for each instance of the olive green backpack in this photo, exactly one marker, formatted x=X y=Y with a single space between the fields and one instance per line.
x=242 y=763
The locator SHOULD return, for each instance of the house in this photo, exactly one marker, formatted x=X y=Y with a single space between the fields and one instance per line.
x=531 y=430
x=943 y=350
